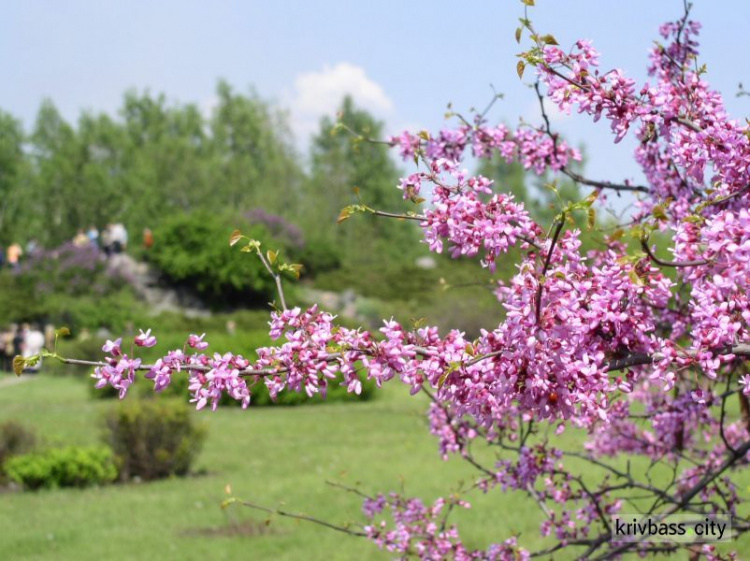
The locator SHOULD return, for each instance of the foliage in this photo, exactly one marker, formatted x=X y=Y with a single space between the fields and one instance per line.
x=153 y=439
x=345 y=168
x=69 y=286
x=63 y=467
x=192 y=250
x=15 y=439
x=155 y=159
x=70 y=270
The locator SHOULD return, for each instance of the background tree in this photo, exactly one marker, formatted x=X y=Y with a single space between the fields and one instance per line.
x=344 y=170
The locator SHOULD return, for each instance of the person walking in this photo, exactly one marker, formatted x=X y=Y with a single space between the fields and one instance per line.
x=14 y=254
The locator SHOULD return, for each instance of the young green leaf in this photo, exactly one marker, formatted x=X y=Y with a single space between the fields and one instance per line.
x=235 y=237
x=520 y=67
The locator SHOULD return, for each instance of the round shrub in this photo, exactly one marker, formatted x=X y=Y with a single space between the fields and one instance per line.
x=192 y=250
x=15 y=439
x=153 y=439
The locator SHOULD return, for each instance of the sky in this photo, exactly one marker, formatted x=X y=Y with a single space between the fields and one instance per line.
x=403 y=61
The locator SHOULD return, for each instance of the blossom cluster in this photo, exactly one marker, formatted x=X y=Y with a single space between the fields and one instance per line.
x=421 y=530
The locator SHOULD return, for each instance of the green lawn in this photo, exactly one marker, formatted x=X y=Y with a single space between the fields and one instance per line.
x=268 y=455
x=271 y=456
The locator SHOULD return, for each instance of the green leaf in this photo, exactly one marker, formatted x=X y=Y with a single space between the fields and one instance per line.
x=19 y=363
x=693 y=219
x=549 y=40
x=591 y=199
x=226 y=503
x=345 y=214
x=271 y=255
x=591 y=218
x=235 y=237
x=518 y=34
x=634 y=278
x=528 y=2
x=659 y=212
x=252 y=245
x=617 y=234
x=62 y=332
x=520 y=67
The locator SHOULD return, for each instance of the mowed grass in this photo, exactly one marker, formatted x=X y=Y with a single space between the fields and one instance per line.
x=277 y=457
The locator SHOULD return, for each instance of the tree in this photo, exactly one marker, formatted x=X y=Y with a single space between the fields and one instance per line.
x=653 y=369
x=347 y=169
x=13 y=173
x=251 y=144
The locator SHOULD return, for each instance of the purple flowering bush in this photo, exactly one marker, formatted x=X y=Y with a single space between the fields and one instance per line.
x=71 y=270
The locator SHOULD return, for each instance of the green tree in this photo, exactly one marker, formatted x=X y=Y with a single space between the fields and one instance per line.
x=341 y=163
x=14 y=173
x=254 y=164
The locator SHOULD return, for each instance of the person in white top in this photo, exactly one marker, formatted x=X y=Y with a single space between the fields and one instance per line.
x=33 y=344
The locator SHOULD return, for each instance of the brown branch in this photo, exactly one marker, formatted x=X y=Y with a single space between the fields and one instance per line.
x=303 y=517
x=640 y=359
x=578 y=178
x=663 y=263
x=540 y=288
x=683 y=501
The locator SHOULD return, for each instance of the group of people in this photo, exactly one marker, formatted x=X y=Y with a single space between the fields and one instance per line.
x=113 y=239
x=24 y=340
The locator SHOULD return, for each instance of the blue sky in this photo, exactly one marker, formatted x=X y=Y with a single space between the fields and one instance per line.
x=402 y=60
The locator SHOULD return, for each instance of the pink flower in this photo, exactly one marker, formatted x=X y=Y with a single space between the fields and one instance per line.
x=197 y=342
x=145 y=339
x=113 y=347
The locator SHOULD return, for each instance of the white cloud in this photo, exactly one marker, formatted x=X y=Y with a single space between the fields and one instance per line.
x=316 y=94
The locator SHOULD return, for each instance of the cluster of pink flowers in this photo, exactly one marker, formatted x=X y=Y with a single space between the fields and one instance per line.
x=532 y=147
x=421 y=530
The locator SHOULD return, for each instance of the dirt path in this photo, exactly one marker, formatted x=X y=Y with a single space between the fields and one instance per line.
x=9 y=380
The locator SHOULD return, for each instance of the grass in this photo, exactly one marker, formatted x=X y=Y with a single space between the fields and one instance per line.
x=278 y=457
x=271 y=456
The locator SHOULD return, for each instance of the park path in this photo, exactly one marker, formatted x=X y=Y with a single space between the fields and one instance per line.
x=12 y=380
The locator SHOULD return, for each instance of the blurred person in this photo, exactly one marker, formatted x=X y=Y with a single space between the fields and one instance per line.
x=32 y=246
x=148 y=238
x=18 y=342
x=93 y=235
x=49 y=336
x=107 y=240
x=33 y=344
x=6 y=350
x=80 y=239
x=119 y=238
x=13 y=254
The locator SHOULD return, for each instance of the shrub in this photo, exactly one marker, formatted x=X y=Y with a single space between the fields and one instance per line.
x=63 y=467
x=15 y=439
x=193 y=250
x=153 y=439
x=71 y=270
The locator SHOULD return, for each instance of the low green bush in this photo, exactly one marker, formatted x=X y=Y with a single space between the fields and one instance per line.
x=63 y=467
x=153 y=439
